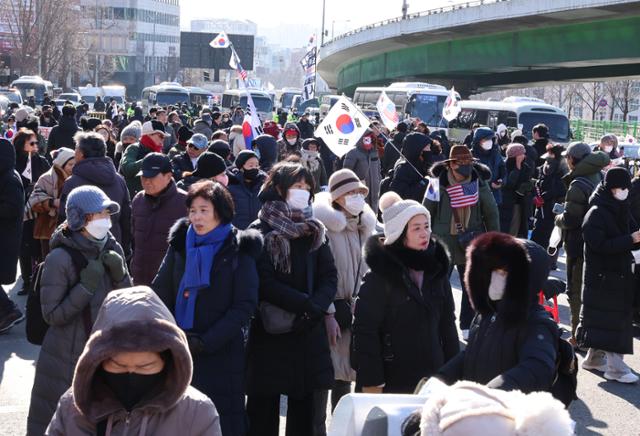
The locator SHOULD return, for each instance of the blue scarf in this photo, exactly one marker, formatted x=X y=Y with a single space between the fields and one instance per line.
x=201 y=250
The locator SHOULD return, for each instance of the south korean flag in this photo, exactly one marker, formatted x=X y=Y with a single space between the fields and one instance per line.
x=343 y=126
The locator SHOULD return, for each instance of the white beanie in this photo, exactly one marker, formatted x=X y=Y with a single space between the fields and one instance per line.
x=396 y=213
x=62 y=156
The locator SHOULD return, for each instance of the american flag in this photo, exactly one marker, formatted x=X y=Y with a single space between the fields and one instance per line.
x=234 y=63
x=463 y=195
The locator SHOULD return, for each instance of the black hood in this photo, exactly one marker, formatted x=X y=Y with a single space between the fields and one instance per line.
x=7 y=156
x=381 y=259
x=98 y=170
x=603 y=198
x=525 y=261
x=412 y=146
x=68 y=124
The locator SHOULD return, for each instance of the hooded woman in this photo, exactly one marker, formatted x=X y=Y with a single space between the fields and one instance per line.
x=310 y=158
x=515 y=209
x=245 y=181
x=208 y=279
x=349 y=222
x=408 y=175
x=133 y=375
x=44 y=201
x=364 y=161
x=71 y=297
x=290 y=142
x=404 y=326
x=608 y=291
x=485 y=148
x=288 y=348
x=512 y=341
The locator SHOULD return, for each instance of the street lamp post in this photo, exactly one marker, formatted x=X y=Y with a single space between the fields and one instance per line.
x=324 y=3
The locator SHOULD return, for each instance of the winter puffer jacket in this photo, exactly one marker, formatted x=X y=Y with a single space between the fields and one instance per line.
x=221 y=312
x=402 y=333
x=11 y=212
x=492 y=159
x=513 y=342
x=130 y=320
x=64 y=300
x=609 y=284
x=366 y=165
x=580 y=183
x=408 y=174
x=100 y=172
x=151 y=219
x=346 y=237
x=62 y=134
x=245 y=198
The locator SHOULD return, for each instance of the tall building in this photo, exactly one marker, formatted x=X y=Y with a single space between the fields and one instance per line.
x=135 y=43
x=217 y=25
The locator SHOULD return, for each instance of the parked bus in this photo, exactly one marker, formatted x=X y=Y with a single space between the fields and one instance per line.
x=285 y=101
x=199 y=96
x=232 y=98
x=326 y=103
x=412 y=99
x=33 y=86
x=164 y=94
x=514 y=112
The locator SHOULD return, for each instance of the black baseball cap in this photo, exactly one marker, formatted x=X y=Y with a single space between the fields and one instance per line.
x=154 y=164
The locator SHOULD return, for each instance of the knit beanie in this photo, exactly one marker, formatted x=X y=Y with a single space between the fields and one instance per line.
x=62 y=156
x=243 y=157
x=133 y=130
x=184 y=134
x=617 y=177
x=396 y=213
x=209 y=165
x=515 y=150
x=85 y=200
x=344 y=181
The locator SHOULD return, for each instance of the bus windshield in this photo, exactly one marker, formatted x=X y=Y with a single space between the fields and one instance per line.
x=31 y=90
x=263 y=104
x=167 y=98
x=428 y=108
x=287 y=99
x=117 y=98
x=558 y=125
x=200 y=98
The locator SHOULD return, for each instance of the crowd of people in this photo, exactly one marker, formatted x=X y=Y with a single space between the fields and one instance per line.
x=189 y=279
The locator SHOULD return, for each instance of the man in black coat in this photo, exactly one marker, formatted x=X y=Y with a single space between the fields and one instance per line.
x=513 y=342
x=540 y=134
x=305 y=126
x=11 y=213
x=62 y=134
x=408 y=175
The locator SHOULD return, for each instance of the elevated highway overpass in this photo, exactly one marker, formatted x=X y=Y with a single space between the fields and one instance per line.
x=488 y=44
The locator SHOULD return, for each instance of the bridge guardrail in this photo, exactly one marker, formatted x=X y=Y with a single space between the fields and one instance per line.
x=592 y=131
x=433 y=11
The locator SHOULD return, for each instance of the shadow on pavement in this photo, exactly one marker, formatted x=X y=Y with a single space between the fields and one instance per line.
x=582 y=415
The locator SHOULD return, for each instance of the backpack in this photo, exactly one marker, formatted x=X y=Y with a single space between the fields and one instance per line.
x=36 y=326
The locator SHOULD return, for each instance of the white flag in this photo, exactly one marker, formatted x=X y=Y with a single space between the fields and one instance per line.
x=451 y=107
x=220 y=41
x=387 y=110
x=433 y=190
x=27 y=170
x=343 y=126
x=232 y=61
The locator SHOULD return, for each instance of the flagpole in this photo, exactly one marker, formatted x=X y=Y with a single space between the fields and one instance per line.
x=388 y=141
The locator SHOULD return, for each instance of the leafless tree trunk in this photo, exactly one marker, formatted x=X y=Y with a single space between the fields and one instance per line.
x=591 y=94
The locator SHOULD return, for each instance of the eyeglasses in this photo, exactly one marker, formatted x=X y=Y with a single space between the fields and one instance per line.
x=193 y=147
x=33 y=143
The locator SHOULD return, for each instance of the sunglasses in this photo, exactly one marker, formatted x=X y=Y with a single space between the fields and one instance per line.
x=193 y=147
x=33 y=143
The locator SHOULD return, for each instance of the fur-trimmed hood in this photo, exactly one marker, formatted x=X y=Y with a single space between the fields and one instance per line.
x=479 y=171
x=131 y=319
x=248 y=241
x=336 y=221
x=381 y=260
x=527 y=265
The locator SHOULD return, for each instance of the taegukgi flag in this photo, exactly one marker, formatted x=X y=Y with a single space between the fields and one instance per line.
x=387 y=110
x=220 y=41
x=251 y=125
x=451 y=108
x=343 y=126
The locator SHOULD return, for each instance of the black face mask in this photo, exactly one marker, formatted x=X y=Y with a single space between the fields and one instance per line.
x=464 y=170
x=251 y=174
x=129 y=388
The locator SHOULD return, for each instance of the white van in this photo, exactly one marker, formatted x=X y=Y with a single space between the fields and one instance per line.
x=232 y=98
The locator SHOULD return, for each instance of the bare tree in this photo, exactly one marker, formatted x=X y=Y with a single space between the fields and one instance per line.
x=622 y=93
x=591 y=94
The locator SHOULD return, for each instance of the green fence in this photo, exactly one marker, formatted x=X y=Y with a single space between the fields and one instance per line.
x=591 y=131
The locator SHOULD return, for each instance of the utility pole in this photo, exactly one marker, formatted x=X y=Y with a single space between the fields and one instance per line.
x=324 y=4
x=405 y=7
x=153 y=50
x=98 y=26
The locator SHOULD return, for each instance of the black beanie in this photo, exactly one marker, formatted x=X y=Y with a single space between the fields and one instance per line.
x=617 y=177
x=221 y=148
x=243 y=157
x=184 y=134
x=209 y=165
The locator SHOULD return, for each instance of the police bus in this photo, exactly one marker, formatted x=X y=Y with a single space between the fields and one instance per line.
x=33 y=86
x=514 y=112
x=199 y=95
x=285 y=98
x=233 y=98
x=419 y=100
x=164 y=94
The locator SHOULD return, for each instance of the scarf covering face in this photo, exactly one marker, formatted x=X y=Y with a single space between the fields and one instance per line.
x=201 y=251
x=287 y=224
x=310 y=159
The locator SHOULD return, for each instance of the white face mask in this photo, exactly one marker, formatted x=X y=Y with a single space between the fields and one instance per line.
x=354 y=204
x=298 y=198
x=292 y=141
x=621 y=194
x=608 y=149
x=99 y=228
x=487 y=145
x=497 y=285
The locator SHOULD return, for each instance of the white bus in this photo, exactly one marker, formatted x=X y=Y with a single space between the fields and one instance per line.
x=199 y=95
x=89 y=94
x=232 y=98
x=514 y=112
x=116 y=92
x=285 y=100
x=164 y=94
x=412 y=99
x=33 y=86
